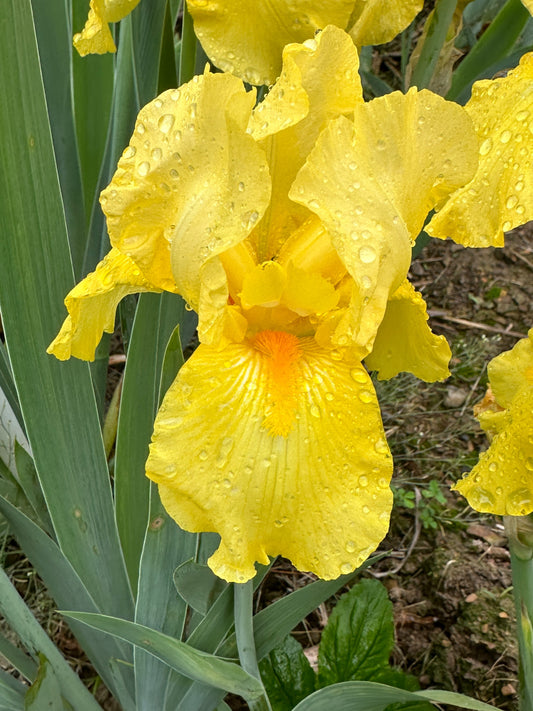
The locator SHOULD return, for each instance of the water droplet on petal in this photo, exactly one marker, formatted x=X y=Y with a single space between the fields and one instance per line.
x=506 y=136
x=202 y=454
x=129 y=152
x=367 y=254
x=363 y=480
x=485 y=147
x=365 y=396
x=346 y=568
x=143 y=168
x=314 y=411
x=481 y=499
x=350 y=546
x=511 y=202
x=165 y=123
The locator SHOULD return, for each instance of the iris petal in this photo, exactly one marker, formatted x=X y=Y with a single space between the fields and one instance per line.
x=92 y=304
x=96 y=38
x=286 y=455
x=405 y=343
x=246 y=37
x=191 y=184
x=500 y=196
x=373 y=181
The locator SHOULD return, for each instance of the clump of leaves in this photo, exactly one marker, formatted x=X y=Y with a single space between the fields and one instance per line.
x=430 y=502
x=356 y=645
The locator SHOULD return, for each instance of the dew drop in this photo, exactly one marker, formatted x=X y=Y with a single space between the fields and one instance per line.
x=481 y=499
x=140 y=128
x=157 y=153
x=346 y=568
x=350 y=546
x=519 y=503
x=529 y=464
x=129 y=152
x=365 y=396
x=202 y=455
x=358 y=375
x=367 y=254
x=522 y=115
x=314 y=411
x=380 y=145
x=493 y=467
x=363 y=480
x=506 y=136
x=485 y=147
x=143 y=168
x=165 y=123
x=240 y=187
x=365 y=509
x=511 y=202
x=507 y=226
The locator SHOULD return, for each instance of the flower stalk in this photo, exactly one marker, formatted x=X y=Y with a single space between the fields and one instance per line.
x=520 y=532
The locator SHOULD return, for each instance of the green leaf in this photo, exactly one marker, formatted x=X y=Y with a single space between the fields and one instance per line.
x=147 y=25
x=493 y=45
x=11 y=693
x=18 y=659
x=190 y=662
x=31 y=486
x=55 y=50
x=66 y=588
x=369 y=696
x=287 y=675
x=359 y=636
x=198 y=585
x=433 y=43
x=158 y=607
x=36 y=641
x=56 y=399
x=7 y=385
x=44 y=694
x=155 y=320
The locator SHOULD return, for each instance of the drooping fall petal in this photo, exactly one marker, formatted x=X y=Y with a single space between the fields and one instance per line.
x=191 y=184
x=96 y=38
x=379 y=21
x=246 y=37
x=372 y=183
x=92 y=304
x=285 y=455
x=405 y=343
x=500 y=196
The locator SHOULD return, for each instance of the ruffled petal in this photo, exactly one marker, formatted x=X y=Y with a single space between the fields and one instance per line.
x=96 y=38
x=405 y=343
x=511 y=371
x=372 y=183
x=502 y=481
x=92 y=305
x=500 y=196
x=191 y=184
x=379 y=21
x=280 y=449
x=319 y=81
x=246 y=38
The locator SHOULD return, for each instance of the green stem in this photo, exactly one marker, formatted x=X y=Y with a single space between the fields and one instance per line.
x=520 y=532
x=244 y=633
x=435 y=38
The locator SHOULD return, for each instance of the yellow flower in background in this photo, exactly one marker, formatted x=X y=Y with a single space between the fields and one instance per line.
x=500 y=195
x=247 y=37
x=96 y=38
x=288 y=227
x=502 y=480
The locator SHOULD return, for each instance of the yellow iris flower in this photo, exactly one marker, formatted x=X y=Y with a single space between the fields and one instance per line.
x=288 y=227
x=247 y=37
x=96 y=38
x=502 y=480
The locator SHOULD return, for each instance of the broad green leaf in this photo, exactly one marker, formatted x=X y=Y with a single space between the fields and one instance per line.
x=56 y=399
x=158 y=607
x=287 y=675
x=147 y=25
x=359 y=637
x=18 y=659
x=11 y=693
x=30 y=484
x=55 y=50
x=198 y=585
x=369 y=696
x=92 y=80
x=10 y=432
x=188 y=48
x=66 y=588
x=494 y=45
x=155 y=320
x=190 y=662
x=35 y=639
x=45 y=692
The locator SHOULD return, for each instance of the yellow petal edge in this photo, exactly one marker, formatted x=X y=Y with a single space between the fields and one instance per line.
x=96 y=38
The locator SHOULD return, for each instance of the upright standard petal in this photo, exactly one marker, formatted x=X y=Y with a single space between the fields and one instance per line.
x=319 y=81
x=379 y=21
x=96 y=38
x=373 y=181
x=500 y=195
x=191 y=184
x=502 y=481
x=246 y=37
x=285 y=455
x=92 y=304
x=405 y=343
